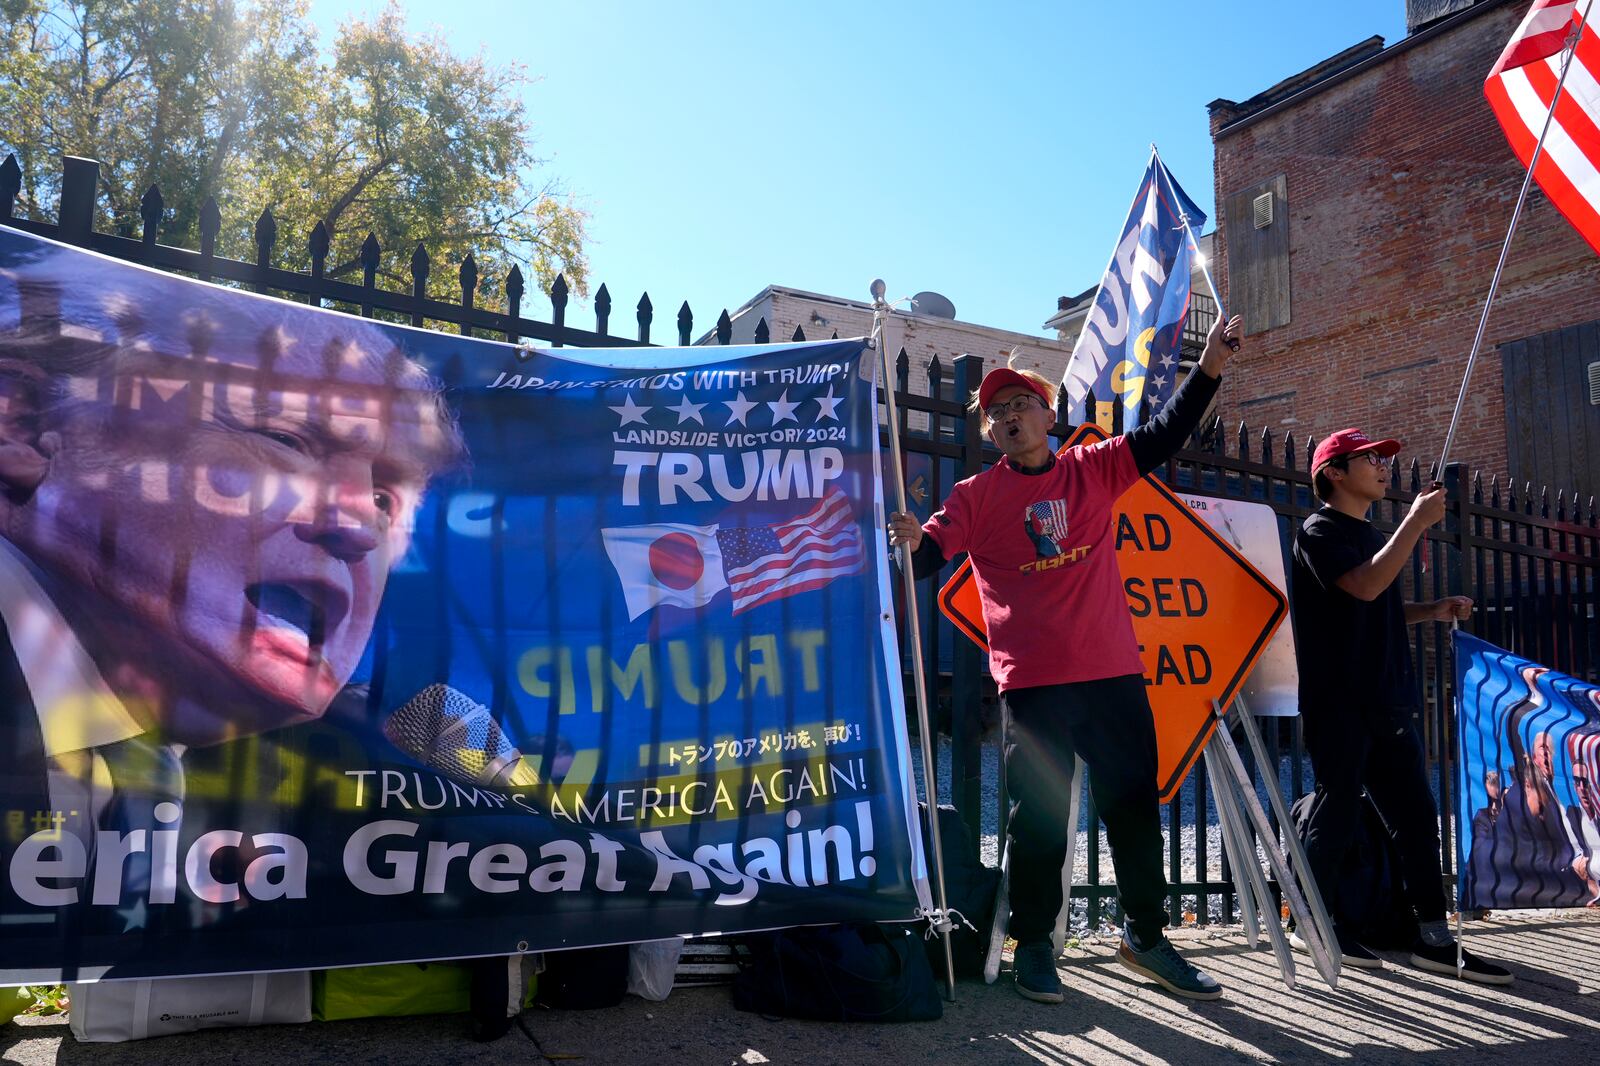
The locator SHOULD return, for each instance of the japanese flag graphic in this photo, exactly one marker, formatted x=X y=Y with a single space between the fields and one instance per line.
x=666 y=563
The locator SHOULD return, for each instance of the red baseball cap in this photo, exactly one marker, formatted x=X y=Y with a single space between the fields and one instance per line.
x=1350 y=442
x=1003 y=376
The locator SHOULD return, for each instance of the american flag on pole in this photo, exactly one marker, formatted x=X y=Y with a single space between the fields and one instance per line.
x=766 y=563
x=1520 y=89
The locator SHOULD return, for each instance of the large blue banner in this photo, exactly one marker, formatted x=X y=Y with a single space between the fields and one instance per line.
x=327 y=641
x=1127 y=351
x=1528 y=803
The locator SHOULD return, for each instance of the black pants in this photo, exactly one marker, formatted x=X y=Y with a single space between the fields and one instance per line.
x=1351 y=751
x=1108 y=723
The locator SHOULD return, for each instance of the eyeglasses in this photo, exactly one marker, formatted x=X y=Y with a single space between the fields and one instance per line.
x=1016 y=405
x=1372 y=458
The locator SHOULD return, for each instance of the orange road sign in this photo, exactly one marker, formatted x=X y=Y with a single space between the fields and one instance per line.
x=1203 y=615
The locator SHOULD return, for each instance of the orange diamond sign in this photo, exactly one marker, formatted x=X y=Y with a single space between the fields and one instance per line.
x=1203 y=615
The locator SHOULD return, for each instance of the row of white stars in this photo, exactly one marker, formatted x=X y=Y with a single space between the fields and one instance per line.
x=1160 y=380
x=739 y=409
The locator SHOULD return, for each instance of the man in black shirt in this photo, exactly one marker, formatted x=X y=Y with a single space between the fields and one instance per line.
x=1358 y=691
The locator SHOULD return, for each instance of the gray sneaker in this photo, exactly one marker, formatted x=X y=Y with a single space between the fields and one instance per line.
x=1163 y=965
x=1034 y=966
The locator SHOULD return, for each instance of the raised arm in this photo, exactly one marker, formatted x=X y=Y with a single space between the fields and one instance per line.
x=1156 y=441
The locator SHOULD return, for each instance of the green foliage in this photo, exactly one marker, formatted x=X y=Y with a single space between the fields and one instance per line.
x=396 y=135
x=32 y=999
x=48 y=999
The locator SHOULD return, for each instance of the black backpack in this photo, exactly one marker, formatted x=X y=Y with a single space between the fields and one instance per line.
x=970 y=887
x=1372 y=903
x=839 y=973
x=584 y=978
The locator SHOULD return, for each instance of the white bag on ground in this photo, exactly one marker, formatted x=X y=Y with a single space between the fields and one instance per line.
x=110 y=1011
x=652 y=966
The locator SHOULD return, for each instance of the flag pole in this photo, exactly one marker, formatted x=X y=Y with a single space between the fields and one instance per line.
x=1505 y=249
x=1194 y=241
x=930 y=776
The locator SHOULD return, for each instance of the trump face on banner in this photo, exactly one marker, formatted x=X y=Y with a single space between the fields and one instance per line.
x=200 y=510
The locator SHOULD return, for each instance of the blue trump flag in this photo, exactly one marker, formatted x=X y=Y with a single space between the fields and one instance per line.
x=1527 y=809
x=326 y=641
x=1127 y=352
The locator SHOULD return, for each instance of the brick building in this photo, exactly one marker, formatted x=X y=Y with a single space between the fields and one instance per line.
x=1362 y=205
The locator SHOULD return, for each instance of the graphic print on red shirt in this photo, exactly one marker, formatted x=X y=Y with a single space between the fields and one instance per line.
x=1051 y=590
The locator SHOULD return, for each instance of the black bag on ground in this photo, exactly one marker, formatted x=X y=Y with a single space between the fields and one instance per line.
x=839 y=973
x=585 y=978
x=1372 y=903
x=970 y=887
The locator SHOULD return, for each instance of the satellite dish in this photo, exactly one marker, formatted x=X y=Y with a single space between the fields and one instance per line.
x=877 y=288
x=933 y=305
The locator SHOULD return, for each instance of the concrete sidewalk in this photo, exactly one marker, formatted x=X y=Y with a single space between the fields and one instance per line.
x=1551 y=1014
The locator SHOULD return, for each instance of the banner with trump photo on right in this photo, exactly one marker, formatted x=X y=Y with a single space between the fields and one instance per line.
x=329 y=642
x=1527 y=795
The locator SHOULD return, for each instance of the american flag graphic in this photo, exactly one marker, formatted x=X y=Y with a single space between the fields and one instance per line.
x=1051 y=515
x=766 y=563
x=1520 y=88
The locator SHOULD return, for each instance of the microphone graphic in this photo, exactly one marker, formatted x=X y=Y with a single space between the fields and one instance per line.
x=456 y=735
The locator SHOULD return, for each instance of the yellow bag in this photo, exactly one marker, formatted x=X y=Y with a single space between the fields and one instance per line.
x=390 y=991
x=395 y=990
x=13 y=1001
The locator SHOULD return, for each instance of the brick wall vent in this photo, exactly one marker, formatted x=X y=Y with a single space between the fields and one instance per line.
x=1262 y=206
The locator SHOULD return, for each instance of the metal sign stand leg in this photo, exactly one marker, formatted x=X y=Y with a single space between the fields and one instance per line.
x=1058 y=938
x=1296 y=850
x=1002 y=901
x=1326 y=962
x=1235 y=843
x=1002 y=917
x=1002 y=896
x=1246 y=864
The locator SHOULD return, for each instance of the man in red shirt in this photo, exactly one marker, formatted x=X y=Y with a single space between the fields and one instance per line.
x=1038 y=530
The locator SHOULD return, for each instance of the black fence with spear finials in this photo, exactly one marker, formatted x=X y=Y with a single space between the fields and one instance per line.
x=1529 y=557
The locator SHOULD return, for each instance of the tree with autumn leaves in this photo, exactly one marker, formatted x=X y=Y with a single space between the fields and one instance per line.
x=390 y=133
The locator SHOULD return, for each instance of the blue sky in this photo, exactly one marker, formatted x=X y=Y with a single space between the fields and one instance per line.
x=986 y=154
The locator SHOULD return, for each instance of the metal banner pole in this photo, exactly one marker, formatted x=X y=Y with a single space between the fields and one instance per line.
x=1505 y=249
x=1296 y=850
x=1327 y=964
x=1251 y=866
x=930 y=769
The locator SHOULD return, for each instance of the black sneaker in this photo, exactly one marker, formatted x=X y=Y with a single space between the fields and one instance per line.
x=1034 y=966
x=1351 y=952
x=1443 y=960
x=1163 y=965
